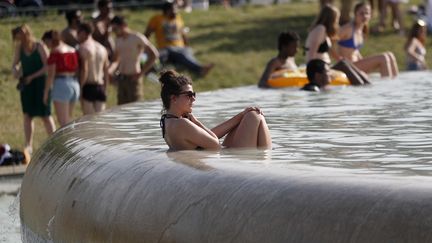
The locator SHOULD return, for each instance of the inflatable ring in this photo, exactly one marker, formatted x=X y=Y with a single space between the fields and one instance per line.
x=298 y=78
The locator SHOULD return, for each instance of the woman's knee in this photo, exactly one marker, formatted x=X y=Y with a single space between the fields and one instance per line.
x=253 y=116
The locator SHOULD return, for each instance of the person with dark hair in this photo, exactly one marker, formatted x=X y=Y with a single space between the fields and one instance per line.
x=318 y=73
x=93 y=71
x=102 y=26
x=319 y=44
x=62 y=69
x=351 y=38
x=172 y=41
x=69 y=34
x=183 y=131
x=29 y=66
x=127 y=59
x=415 y=47
x=287 y=48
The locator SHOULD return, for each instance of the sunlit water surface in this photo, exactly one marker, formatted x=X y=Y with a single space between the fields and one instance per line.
x=384 y=128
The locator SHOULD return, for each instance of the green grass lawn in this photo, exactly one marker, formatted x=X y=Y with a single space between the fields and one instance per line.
x=239 y=41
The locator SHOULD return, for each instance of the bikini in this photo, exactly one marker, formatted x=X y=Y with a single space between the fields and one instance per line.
x=322 y=48
x=162 y=122
x=350 y=43
x=162 y=125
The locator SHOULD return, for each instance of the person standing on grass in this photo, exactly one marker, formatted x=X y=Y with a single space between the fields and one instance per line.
x=172 y=41
x=129 y=46
x=102 y=26
x=69 y=34
x=93 y=71
x=29 y=65
x=62 y=70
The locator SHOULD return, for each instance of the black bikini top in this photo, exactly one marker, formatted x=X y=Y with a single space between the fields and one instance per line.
x=323 y=47
x=162 y=122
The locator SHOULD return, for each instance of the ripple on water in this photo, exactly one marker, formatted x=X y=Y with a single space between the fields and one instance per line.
x=381 y=128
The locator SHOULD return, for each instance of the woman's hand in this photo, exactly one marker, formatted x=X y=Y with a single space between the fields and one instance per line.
x=252 y=108
x=191 y=117
x=28 y=79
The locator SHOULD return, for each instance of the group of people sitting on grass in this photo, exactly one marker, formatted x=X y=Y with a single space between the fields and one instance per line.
x=349 y=39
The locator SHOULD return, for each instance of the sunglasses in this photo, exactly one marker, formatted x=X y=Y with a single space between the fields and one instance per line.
x=189 y=94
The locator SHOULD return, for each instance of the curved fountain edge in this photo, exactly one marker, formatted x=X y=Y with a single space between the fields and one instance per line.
x=91 y=191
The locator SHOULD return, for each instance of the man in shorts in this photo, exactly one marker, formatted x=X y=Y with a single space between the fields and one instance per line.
x=93 y=74
x=129 y=46
x=172 y=41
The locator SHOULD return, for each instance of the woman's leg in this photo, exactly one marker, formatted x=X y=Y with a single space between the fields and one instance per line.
x=62 y=112
x=393 y=63
x=264 y=138
x=355 y=76
x=71 y=109
x=28 y=131
x=49 y=124
x=378 y=62
x=252 y=131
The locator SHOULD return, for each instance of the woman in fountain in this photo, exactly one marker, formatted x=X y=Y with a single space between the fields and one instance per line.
x=319 y=44
x=62 y=70
x=415 y=47
x=183 y=131
x=351 y=40
x=32 y=56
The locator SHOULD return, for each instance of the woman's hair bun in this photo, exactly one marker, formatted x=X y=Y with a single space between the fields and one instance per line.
x=167 y=76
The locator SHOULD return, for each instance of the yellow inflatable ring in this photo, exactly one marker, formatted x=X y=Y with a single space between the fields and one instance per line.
x=298 y=78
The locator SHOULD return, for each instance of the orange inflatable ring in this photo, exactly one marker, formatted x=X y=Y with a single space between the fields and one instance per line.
x=298 y=78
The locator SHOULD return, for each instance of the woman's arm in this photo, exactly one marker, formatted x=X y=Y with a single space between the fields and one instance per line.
x=225 y=127
x=16 y=61
x=411 y=51
x=314 y=39
x=196 y=133
x=49 y=81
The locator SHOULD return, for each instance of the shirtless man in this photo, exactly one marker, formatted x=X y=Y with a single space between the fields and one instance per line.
x=128 y=48
x=102 y=28
x=287 y=46
x=93 y=75
x=69 y=34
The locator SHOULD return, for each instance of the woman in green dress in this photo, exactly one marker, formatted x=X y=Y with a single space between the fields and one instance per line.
x=29 y=66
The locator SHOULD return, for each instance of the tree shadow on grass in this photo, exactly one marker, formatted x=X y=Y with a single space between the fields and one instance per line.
x=262 y=35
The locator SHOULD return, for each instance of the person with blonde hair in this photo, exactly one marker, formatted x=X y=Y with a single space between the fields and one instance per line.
x=29 y=65
x=62 y=71
x=351 y=38
x=319 y=44
x=183 y=131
